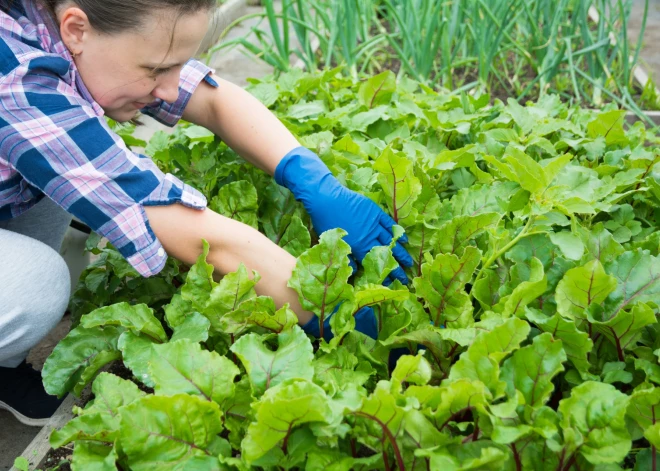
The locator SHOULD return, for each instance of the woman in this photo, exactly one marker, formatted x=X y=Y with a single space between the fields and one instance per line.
x=64 y=66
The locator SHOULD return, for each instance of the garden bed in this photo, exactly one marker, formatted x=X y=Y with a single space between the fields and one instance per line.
x=532 y=199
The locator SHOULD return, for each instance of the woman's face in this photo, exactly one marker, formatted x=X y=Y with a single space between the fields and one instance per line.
x=128 y=70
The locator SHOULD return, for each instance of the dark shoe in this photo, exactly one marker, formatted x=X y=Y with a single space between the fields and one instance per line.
x=22 y=393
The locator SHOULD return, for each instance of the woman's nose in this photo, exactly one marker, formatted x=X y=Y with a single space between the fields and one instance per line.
x=167 y=88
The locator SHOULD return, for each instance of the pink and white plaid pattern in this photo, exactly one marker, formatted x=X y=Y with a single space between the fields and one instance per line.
x=55 y=142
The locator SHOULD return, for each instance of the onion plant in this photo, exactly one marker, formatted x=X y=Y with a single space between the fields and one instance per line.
x=518 y=48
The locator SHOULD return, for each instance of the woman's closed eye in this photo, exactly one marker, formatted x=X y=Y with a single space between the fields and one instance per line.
x=158 y=72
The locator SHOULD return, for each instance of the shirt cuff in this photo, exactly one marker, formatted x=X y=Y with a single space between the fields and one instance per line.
x=192 y=74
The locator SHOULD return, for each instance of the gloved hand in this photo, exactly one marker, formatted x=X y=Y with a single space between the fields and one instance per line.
x=365 y=322
x=332 y=205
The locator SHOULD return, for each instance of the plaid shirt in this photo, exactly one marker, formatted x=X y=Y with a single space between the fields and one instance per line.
x=55 y=142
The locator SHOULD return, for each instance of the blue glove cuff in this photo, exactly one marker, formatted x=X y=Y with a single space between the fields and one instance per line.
x=300 y=169
x=365 y=322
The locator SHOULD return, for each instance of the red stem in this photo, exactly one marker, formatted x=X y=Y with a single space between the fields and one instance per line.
x=390 y=437
x=570 y=463
x=653 y=459
x=619 y=351
x=386 y=461
x=516 y=457
x=285 y=445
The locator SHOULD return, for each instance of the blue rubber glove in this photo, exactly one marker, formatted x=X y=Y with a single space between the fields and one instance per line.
x=332 y=205
x=365 y=322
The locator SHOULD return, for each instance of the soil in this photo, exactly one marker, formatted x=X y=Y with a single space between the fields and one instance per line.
x=38 y=354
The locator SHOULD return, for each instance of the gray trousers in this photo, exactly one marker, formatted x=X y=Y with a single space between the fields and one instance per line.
x=34 y=279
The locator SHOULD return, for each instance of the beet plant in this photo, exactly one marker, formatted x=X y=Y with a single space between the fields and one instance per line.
x=529 y=326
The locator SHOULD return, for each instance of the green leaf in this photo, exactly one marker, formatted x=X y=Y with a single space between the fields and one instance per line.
x=21 y=464
x=442 y=286
x=610 y=126
x=638 y=276
x=177 y=311
x=411 y=369
x=97 y=426
x=531 y=369
x=183 y=367
x=582 y=287
x=487 y=289
x=92 y=455
x=296 y=238
x=267 y=368
x=379 y=262
x=644 y=408
x=199 y=281
x=110 y=393
x=419 y=433
x=137 y=351
x=652 y=434
x=526 y=292
x=237 y=200
x=234 y=289
x=361 y=121
x=381 y=411
x=377 y=90
x=481 y=199
x=601 y=245
x=139 y=319
x=65 y=367
x=650 y=369
x=576 y=343
x=457 y=397
x=306 y=110
x=624 y=328
x=279 y=410
x=399 y=183
x=99 y=361
x=644 y=459
x=266 y=93
x=370 y=295
x=340 y=369
x=198 y=134
x=277 y=208
x=473 y=456
x=328 y=460
x=195 y=328
x=593 y=421
x=454 y=235
x=170 y=433
x=321 y=274
x=259 y=312
x=569 y=244
x=481 y=360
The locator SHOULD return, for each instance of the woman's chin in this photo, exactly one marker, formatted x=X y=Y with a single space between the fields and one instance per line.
x=122 y=116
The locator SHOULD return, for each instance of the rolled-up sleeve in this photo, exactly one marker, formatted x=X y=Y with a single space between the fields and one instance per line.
x=58 y=143
x=192 y=74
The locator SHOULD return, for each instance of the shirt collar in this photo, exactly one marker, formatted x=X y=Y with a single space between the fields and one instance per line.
x=48 y=35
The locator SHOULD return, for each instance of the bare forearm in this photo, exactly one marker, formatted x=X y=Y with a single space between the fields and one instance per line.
x=243 y=122
x=181 y=230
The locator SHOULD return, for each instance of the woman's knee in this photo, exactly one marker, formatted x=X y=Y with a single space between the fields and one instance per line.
x=38 y=285
x=55 y=285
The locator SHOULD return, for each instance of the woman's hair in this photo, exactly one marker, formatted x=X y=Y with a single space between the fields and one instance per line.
x=116 y=16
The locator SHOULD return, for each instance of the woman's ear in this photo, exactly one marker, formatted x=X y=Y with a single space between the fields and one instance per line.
x=74 y=29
